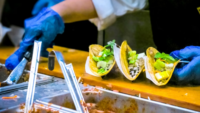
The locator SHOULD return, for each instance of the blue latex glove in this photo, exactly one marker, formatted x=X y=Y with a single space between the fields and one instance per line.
x=187 y=73
x=44 y=4
x=44 y=27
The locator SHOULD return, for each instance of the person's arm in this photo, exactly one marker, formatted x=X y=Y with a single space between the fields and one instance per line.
x=75 y=10
x=100 y=12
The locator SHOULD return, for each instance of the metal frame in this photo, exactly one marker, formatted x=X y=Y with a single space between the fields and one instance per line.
x=71 y=81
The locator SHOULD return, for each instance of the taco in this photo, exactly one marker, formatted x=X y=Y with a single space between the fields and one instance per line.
x=131 y=62
x=101 y=59
x=160 y=66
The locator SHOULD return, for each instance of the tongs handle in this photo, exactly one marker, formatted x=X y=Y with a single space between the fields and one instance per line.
x=33 y=76
x=70 y=79
x=18 y=71
x=28 y=54
x=16 y=74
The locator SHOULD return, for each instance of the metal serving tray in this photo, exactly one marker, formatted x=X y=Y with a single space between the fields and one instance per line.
x=109 y=101
x=51 y=88
x=23 y=81
x=115 y=102
x=38 y=108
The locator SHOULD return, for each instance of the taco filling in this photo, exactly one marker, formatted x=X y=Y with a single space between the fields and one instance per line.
x=135 y=62
x=105 y=58
x=163 y=66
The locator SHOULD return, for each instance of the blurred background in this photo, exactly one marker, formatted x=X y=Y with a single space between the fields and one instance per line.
x=133 y=27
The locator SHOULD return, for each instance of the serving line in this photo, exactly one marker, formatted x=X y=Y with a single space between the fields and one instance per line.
x=184 y=96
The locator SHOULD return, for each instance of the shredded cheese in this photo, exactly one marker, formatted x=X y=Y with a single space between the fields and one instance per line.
x=13 y=97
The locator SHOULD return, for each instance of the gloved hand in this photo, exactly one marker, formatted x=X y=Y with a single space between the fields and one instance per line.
x=187 y=73
x=44 y=27
x=44 y=4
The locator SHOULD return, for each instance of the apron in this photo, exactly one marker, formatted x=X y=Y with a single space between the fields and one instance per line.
x=175 y=23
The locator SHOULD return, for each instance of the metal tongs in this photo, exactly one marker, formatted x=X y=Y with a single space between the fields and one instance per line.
x=19 y=69
x=33 y=76
x=70 y=79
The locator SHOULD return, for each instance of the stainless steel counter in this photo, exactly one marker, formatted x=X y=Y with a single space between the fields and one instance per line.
x=56 y=93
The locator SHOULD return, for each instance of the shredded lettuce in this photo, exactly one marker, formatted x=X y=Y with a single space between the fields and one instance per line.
x=131 y=53
x=101 y=70
x=109 y=58
x=106 y=52
x=132 y=56
x=106 y=55
x=96 y=58
x=110 y=44
x=159 y=65
x=166 y=57
x=133 y=60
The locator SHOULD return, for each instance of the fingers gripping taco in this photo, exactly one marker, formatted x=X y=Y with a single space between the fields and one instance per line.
x=101 y=59
x=131 y=62
x=160 y=66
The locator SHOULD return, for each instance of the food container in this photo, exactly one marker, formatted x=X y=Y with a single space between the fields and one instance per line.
x=38 y=108
x=41 y=91
x=114 y=102
x=102 y=100
x=23 y=81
